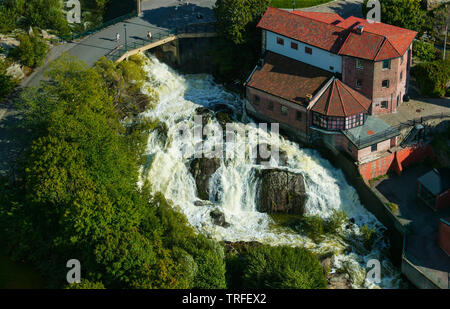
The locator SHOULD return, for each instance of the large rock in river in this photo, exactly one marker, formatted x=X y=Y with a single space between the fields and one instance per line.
x=202 y=169
x=281 y=191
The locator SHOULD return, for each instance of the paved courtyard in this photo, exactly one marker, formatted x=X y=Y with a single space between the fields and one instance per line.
x=421 y=221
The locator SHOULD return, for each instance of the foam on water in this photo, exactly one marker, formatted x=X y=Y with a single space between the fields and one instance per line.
x=234 y=186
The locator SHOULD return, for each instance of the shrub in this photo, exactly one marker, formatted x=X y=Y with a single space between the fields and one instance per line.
x=424 y=51
x=313 y=227
x=368 y=236
x=336 y=220
x=433 y=77
x=393 y=207
x=31 y=51
x=280 y=268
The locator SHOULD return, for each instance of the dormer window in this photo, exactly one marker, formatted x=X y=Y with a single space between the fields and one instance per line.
x=294 y=45
x=280 y=41
x=386 y=64
x=308 y=50
x=359 y=64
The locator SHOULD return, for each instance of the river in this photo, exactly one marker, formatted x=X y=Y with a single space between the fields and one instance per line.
x=233 y=187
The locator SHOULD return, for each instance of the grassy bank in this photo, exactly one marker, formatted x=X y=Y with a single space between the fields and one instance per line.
x=286 y=4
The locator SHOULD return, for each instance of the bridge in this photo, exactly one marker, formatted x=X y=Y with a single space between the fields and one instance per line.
x=199 y=30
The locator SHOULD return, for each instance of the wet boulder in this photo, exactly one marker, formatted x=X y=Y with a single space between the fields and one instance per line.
x=219 y=218
x=262 y=158
x=281 y=191
x=202 y=169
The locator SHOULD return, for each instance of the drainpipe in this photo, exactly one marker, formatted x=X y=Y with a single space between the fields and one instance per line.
x=138 y=7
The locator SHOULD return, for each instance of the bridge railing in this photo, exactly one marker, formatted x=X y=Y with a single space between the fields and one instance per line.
x=161 y=35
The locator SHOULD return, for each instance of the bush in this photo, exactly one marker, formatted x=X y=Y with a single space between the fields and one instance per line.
x=31 y=51
x=335 y=222
x=368 y=236
x=278 y=268
x=424 y=51
x=392 y=206
x=432 y=77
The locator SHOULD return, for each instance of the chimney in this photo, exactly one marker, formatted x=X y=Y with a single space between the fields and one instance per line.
x=359 y=29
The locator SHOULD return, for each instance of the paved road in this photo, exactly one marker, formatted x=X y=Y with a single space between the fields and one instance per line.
x=344 y=8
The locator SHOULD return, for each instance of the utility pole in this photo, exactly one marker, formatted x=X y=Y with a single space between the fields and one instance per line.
x=126 y=45
x=445 y=40
x=139 y=7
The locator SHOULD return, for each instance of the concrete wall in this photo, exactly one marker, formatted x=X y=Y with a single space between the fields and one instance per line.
x=416 y=276
x=372 y=202
x=319 y=58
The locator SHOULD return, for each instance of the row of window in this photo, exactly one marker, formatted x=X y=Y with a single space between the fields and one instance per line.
x=284 y=109
x=294 y=45
x=337 y=123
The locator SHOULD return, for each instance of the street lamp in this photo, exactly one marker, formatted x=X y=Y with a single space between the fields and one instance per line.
x=293 y=5
x=125 y=27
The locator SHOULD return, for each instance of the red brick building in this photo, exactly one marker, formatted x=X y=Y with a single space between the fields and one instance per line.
x=326 y=77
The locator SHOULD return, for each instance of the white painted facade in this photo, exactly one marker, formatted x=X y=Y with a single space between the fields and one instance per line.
x=319 y=58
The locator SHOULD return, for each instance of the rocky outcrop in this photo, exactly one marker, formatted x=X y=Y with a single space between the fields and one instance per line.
x=202 y=169
x=281 y=191
x=261 y=159
x=219 y=218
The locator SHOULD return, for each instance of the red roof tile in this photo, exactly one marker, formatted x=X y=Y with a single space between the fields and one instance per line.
x=329 y=18
x=310 y=31
x=330 y=32
x=339 y=100
x=289 y=79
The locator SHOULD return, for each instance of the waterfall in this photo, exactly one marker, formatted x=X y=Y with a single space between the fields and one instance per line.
x=233 y=187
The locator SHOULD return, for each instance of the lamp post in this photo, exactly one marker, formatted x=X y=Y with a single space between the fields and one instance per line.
x=139 y=7
x=293 y=5
x=125 y=27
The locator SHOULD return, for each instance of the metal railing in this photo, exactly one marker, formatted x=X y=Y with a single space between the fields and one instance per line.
x=393 y=131
x=161 y=35
x=111 y=22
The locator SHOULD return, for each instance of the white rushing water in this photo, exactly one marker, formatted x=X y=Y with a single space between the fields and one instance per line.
x=234 y=186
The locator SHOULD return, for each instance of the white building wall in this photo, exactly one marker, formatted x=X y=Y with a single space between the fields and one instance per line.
x=319 y=57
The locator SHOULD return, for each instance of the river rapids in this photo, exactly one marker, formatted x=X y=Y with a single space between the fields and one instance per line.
x=234 y=184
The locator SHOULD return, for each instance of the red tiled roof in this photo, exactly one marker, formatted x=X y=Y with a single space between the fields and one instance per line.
x=340 y=100
x=310 y=31
x=330 y=32
x=288 y=79
x=399 y=38
x=329 y=18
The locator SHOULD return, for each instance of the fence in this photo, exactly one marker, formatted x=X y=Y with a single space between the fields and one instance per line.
x=119 y=19
x=161 y=35
x=394 y=131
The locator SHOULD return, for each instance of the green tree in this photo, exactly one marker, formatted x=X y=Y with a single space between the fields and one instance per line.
x=407 y=14
x=432 y=77
x=279 y=268
x=237 y=19
x=424 y=51
x=31 y=51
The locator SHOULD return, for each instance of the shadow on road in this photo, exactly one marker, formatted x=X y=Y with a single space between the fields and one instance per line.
x=179 y=16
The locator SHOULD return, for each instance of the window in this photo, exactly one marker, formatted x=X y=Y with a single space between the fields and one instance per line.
x=308 y=50
x=298 y=116
x=294 y=45
x=270 y=105
x=358 y=83
x=374 y=147
x=385 y=83
x=386 y=64
x=284 y=110
x=331 y=68
x=401 y=76
x=354 y=121
x=384 y=104
x=359 y=64
x=256 y=100
x=280 y=41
